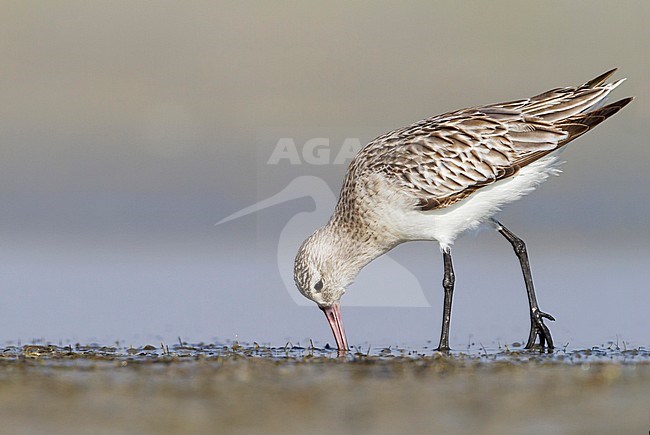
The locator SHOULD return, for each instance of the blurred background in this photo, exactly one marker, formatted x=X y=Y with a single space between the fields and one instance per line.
x=128 y=129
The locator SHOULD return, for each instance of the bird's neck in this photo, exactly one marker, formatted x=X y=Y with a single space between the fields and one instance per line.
x=353 y=250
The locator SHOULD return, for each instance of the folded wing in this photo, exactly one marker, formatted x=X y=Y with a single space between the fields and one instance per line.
x=441 y=160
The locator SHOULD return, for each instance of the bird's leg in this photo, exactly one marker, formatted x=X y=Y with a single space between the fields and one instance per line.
x=448 y=286
x=537 y=326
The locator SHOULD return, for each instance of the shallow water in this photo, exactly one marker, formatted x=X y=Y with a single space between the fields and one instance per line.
x=514 y=353
x=142 y=290
x=243 y=388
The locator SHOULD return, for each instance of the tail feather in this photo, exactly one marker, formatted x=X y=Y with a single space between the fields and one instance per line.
x=578 y=125
x=600 y=79
x=560 y=104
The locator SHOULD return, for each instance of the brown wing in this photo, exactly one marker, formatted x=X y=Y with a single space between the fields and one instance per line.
x=443 y=159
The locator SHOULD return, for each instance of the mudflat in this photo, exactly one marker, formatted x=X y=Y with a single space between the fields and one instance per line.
x=239 y=388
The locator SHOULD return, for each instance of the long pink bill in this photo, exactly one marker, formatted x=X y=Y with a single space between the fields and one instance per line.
x=333 y=314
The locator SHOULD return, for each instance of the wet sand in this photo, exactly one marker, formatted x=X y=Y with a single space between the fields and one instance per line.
x=253 y=389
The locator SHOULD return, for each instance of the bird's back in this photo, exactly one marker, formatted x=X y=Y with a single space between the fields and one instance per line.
x=444 y=159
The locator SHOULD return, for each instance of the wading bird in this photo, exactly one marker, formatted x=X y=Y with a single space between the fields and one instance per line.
x=437 y=178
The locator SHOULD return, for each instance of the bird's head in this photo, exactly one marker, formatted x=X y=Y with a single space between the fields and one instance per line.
x=316 y=272
x=322 y=278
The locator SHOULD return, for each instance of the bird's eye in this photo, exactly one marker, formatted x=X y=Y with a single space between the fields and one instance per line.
x=319 y=285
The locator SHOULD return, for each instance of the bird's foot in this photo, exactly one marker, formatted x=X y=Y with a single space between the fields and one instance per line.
x=443 y=349
x=539 y=330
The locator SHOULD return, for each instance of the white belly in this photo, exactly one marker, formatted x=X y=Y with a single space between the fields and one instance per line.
x=446 y=224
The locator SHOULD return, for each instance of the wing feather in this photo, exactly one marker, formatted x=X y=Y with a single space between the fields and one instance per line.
x=442 y=160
